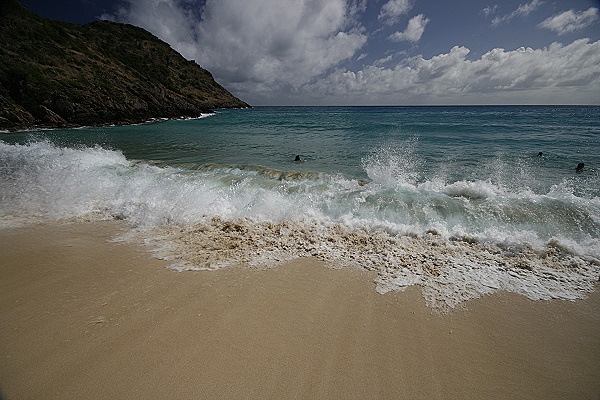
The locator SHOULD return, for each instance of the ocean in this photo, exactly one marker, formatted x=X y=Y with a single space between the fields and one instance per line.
x=461 y=201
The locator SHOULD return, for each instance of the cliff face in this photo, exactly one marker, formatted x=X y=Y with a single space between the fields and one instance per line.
x=55 y=74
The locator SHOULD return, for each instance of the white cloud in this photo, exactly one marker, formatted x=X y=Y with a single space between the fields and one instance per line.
x=393 y=9
x=292 y=52
x=170 y=20
x=414 y=30
x=384 y=60
x=559 y=73
x=357 y=6
x=256 y=45
x=522 y=11
x=489 y=10
x=570 y=21
x=290 y=43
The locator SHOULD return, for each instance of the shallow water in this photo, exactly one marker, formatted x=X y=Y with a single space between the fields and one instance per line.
x=454 y=199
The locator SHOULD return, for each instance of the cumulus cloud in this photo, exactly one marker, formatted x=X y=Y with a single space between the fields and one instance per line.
x=521 y=75
x=299 y=52
x=171 y=20
x=522 y=11
x=253 y=45
x=393 y=9
x=414 y=30
x=570 y=21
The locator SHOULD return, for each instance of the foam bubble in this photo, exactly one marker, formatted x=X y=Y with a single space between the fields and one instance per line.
x=457 y=240
x=448 y=271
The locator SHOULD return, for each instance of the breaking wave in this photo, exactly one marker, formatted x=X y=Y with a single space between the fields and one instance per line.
x=457 y=239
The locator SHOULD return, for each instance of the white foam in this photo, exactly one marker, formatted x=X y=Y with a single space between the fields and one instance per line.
x=449 y=272
x=457 y=240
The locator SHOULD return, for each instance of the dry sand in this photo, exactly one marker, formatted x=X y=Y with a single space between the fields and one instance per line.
x=83 y=318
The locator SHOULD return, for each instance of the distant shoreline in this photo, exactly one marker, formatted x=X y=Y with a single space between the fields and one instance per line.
x=426 y=105
x=50 y=127
x=41 y=127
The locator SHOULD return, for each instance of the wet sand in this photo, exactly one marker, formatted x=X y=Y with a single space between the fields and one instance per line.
x=84 y=318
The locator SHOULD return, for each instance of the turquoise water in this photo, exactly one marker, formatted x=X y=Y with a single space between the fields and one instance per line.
x=460 y=188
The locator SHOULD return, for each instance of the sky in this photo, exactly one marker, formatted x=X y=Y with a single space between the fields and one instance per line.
x=374 y=52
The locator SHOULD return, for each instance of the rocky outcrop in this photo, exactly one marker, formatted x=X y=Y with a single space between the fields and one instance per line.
x=56 y=74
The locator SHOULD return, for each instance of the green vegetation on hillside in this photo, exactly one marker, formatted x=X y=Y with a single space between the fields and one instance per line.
x=56 y=74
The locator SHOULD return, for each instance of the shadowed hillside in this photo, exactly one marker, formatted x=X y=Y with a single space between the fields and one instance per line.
x=56 y=74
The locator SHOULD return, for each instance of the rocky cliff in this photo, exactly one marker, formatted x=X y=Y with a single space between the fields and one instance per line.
x=56 y=74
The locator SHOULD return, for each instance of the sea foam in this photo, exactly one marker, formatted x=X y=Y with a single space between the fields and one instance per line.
x=457 y=240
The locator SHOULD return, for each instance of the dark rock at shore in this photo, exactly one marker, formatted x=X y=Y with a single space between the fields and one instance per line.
x=56 y=74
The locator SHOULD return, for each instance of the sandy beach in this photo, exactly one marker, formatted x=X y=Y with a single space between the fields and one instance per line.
x=85 y=318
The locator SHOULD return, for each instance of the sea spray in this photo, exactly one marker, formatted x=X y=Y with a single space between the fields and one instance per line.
x=458 y=219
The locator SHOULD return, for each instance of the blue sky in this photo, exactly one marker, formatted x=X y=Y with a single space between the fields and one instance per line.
x=377 y=52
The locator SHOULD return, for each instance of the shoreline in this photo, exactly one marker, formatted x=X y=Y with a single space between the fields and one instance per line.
x=83 y=317
x=36 y=128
